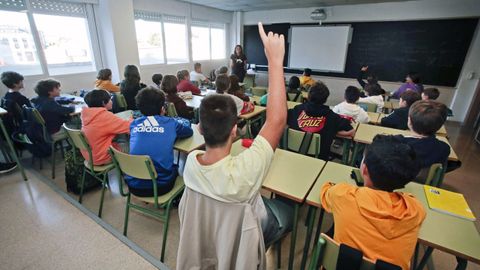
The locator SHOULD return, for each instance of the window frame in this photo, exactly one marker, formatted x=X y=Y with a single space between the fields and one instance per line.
x=91 y=28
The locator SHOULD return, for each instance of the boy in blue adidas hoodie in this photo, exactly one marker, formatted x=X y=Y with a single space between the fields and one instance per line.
x=154 y=134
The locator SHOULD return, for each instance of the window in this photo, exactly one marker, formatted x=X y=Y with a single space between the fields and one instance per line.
x=208 y=41
x=200 y=43
x=150 y=42
x=218 y=43
x=14 y=26
x=62 y=34
x=175 y=39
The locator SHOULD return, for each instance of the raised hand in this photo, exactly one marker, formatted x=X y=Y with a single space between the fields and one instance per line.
x=274 y=45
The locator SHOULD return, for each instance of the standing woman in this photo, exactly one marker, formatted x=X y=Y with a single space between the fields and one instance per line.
x=130 y=86
x=238 y=63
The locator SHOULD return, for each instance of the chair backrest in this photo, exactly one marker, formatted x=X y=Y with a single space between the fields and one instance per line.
x=121 y=101
x=249 y=82
x=326 y=254
x=259 y=91
x=432 y=176
x=368 y=107
x=138 y=166
x=295 y=96
x=37 y=116
x=301 y=142
x=78 y=140
x=171 y=111
x=229 y=234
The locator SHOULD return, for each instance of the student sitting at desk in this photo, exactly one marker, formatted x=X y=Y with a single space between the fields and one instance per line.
x=399 y=117
x=412 y=82
x=235 y=89
x=157 y=80
x=184 y=84
x=104 y=81
x=14 y=82
x=371 y=78
x=154 y=134
x=169 y=86
x=374 y=96
x=293 y=88
x=222 y=83
x=425 y=118
x=215 y=172
x=196 y=74
x=432 y=94
x=100 y=126
x=131 y=85
x=374 y=219
x=350 y=108
x=315 y=117
x=306 y=80
x=52 y=112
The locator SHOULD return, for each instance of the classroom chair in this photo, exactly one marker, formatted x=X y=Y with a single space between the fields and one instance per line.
x=301 y=142
x=55 y=139
x=368 y=107
x=141 y=167
x=259 y=91
x=326 y=254
x=120 y=102
x=100 y=172
x=249 y=82
x=297 y=97
x=171 y=111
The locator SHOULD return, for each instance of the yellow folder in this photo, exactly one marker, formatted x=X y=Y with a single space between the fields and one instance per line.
x=448 y=202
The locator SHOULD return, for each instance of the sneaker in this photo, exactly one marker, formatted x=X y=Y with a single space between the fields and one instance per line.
x=7 y=167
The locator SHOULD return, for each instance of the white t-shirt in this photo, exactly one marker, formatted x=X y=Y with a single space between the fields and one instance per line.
x=352 y=110
x=236 y=179
x=378 y=100
x=195 y=76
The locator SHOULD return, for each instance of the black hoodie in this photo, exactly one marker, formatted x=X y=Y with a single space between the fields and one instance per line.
x=320 y=119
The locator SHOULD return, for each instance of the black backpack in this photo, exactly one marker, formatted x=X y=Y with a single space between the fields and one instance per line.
x=39 y=144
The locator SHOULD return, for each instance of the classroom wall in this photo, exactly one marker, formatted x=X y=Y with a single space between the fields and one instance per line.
x=458 y=98
x=118 y=45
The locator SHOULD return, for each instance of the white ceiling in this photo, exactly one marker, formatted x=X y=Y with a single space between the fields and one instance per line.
x=250 y=5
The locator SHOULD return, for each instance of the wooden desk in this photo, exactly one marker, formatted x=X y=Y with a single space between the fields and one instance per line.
x=374 y=118
x=292 y=175
x=189 y=144
x=365 y=134
x=441 y=231
x=292 y=104
x=194 y=102
x=13 y=152
x=258 y=115
x=441 y=132
x=258 y=110
x=391 y=104
x=125 y=115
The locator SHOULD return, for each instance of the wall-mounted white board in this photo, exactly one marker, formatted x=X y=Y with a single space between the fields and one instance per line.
x=322 y=48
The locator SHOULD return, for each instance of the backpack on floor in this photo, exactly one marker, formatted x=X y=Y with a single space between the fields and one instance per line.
x=74 y=172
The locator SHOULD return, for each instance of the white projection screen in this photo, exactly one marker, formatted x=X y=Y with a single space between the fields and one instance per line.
x=322 y=48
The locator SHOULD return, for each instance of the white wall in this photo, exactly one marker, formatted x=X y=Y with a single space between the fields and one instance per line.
x=459 y=97
x=118 y=43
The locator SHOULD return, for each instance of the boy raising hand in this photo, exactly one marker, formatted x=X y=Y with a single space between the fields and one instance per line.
x=235 y=179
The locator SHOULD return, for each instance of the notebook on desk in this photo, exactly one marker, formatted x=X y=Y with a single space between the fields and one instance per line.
x=448 y=202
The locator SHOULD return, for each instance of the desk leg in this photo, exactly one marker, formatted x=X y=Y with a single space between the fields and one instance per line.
x=12 y=149
x=294 y=237
x=354 y=154
x=461 y=264
x=249 y=129
x=308 y=237
x=426 y=256
x=346 y=151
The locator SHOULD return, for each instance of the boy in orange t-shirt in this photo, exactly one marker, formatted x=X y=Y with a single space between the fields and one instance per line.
x=374 y=219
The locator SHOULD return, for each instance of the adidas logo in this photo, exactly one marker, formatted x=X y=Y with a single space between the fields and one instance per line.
x=149 y=125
